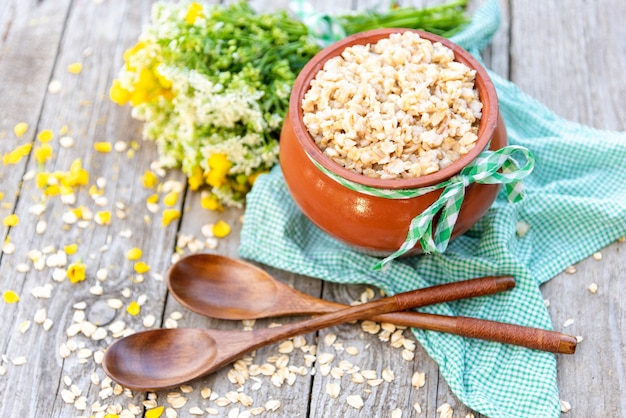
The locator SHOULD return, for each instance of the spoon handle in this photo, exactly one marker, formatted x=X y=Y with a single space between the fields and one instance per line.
x=534 y=338
x=400 y=302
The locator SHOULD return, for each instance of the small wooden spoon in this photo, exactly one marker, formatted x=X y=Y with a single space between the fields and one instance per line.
x=165 y=358
x=226 y=288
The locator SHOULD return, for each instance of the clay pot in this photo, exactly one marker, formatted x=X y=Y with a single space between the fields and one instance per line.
x=377 y=225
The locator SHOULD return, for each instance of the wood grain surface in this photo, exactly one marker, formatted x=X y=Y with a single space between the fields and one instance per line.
x=570 y=57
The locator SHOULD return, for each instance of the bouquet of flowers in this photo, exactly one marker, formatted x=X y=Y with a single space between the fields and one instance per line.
x=212 y=83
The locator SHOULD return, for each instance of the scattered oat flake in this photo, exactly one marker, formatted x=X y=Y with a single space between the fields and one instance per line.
x=565 y=406
x=333 y=390
x=418 y=380
x=54 y=86
x=571 y=270
x=196 y=411
x=597 y=256
x=66 y=141
x=272 y=404
x=75 y=68
x=568 y=323
x=355 y=401
x=521 y=229
x=19 y=361
x=445 y=411
x=396 y=413
x=593 y=288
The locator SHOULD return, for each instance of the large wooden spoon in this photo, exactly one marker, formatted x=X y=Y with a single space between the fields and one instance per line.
x=165 y=358
x=226 y=288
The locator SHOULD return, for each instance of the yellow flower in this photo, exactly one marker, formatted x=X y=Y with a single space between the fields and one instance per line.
x=153 y=199
x=76 y=272
x=10 y=296
x=141 y=267
x=133 y=308
x=20 y=129
x=77 y=176
x=221 y=229
x=103 y=217
x=70 y=249
x=45 y=136
x=11 y=220
x=149 y=180
x=170 y=215
x=253 y=177
x=103 y=146
x=155 y=412
x=42 y=153
x=211 y=202
x=170 y=199
x=194 y=11
x=218 y=168
x=196 y=179
x=119 y=94
x=75 y=68
x=134 y=254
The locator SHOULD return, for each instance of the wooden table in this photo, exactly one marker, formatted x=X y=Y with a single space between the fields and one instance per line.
x=571 y=57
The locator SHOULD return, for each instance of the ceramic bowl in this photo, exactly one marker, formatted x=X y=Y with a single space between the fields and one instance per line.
x=373 y=224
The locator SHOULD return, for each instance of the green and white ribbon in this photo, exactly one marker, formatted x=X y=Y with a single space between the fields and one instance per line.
x=490 y=167
x=323 y=28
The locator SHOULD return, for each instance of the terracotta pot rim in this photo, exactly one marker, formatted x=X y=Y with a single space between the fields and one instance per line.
x=483 y=83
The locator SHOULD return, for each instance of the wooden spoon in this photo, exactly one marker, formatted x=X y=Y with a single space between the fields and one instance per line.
x=226 y=288
x=165 y=358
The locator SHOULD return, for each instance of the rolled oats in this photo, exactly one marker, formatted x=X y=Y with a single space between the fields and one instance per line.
x=399 y=108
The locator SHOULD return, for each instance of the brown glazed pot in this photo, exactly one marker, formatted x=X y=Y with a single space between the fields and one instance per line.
x=377 y=225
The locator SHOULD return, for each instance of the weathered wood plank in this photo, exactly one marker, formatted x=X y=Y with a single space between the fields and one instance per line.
x=81 y=104
x=572 y=59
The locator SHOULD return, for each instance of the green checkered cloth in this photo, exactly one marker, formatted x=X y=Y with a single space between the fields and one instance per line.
x=575 y=205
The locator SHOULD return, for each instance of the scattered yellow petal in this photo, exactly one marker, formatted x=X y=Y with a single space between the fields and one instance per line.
x=111 y=416
x=11 y=220
x=170 y=199
x=133 y=308
x=211 y=202
x=76 y=272
x=45 y=136
x=103 y=146
x=20 y=129
x=152 y=199
x=16 y=155
x=149 y=179
x=252 y=179
x=170 y=215
x=141 y=267
x=1 y=195
x=95 y=191
x=70 y=249
x=103 y=218
x=10 y=296
x=75 y=68
x=221 y=229
x=155 y=412
x=134 y=254
x=64 y=129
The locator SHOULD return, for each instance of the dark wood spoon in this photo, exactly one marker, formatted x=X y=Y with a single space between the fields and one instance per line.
x=165 y=358
x=226 y=288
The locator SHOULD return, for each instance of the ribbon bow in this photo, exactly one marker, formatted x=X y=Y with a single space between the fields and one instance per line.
x=490 y=167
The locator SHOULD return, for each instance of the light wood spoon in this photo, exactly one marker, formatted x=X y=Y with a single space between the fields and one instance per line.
x=165 y=358
x=226 y=288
